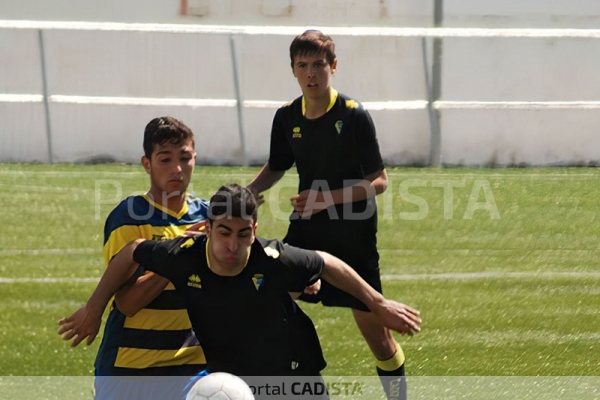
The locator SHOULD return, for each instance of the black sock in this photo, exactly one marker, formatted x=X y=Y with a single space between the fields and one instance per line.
x=393 y=382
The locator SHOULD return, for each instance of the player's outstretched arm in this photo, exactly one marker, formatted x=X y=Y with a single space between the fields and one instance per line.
x=85 y=322
x=396 y=316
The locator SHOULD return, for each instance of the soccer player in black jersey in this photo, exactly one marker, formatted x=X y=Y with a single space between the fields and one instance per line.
x=236 y=289
x=331 y=139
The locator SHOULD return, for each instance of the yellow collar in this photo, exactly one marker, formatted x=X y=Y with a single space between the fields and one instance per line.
x=333 y=95
x=166 y=210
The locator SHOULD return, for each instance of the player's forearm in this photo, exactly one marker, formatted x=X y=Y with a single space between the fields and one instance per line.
x=342 y=276
x=265 y=179
x=117 y=273
x=132 y=298
x=371 y=186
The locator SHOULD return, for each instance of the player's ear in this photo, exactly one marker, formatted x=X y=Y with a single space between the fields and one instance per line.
x=254 y=231
x=146 y=164
x=333 y=66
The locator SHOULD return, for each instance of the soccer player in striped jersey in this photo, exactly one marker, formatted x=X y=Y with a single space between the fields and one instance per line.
x=331 y=139
x=148 y=331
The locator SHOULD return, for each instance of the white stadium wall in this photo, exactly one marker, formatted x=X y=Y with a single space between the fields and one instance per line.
x=189 y=68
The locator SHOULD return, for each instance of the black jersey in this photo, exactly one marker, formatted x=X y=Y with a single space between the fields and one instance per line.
x=333 y=151
x=247 y=324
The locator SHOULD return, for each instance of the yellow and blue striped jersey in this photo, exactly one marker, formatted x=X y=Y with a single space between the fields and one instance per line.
x=158 y=340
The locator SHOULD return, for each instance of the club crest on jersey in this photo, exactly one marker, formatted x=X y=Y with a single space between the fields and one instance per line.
x=338 y=126
x=258 y=280
x=297 y=134
x=194 y=281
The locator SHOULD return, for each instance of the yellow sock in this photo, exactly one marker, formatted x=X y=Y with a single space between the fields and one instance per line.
x=394 y=362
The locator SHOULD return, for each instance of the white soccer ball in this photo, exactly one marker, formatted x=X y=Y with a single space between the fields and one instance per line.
x=220 y=386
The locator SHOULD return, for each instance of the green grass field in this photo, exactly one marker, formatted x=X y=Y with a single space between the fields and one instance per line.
x=515 y=293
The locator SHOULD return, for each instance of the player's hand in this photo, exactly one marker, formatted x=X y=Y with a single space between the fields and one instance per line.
x=399 y=317
x=82 y=324
x=314 y=288
x=197 y=229
x=260 y=198
x=309 y=202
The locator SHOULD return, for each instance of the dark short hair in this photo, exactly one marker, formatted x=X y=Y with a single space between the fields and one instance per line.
x=165 y=129
x=232 y=201
x=312 y=42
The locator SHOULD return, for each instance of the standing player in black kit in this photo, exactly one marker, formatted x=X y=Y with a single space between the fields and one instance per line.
x=331 y=139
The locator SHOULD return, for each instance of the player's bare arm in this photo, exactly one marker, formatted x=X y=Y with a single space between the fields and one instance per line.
x=396 y=316
x=309 y=201
x=139 y=292
x=199 y=228
x=312 y=289
x=265 y=179
x=85 y=322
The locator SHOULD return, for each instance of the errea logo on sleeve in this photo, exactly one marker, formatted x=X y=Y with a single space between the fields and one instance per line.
x=194 y=281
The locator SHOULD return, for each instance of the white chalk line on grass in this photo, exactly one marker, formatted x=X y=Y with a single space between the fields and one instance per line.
x=72 y=173
x=508 y=175
x=452 y=173
x=48 y=252
x=465 y=276
x=38 y=188
x=480 y=252
x=48 y=280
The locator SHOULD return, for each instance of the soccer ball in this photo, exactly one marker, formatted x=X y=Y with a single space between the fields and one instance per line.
x=220 y=386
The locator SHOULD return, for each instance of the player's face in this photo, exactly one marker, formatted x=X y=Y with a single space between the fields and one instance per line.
x=230 y=240
x=314 y=73
x=170 y=168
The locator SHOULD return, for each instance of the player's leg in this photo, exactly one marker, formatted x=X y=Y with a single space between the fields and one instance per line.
x=387 y=352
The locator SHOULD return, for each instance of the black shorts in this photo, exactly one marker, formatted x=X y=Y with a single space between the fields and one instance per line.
x=359 y=250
